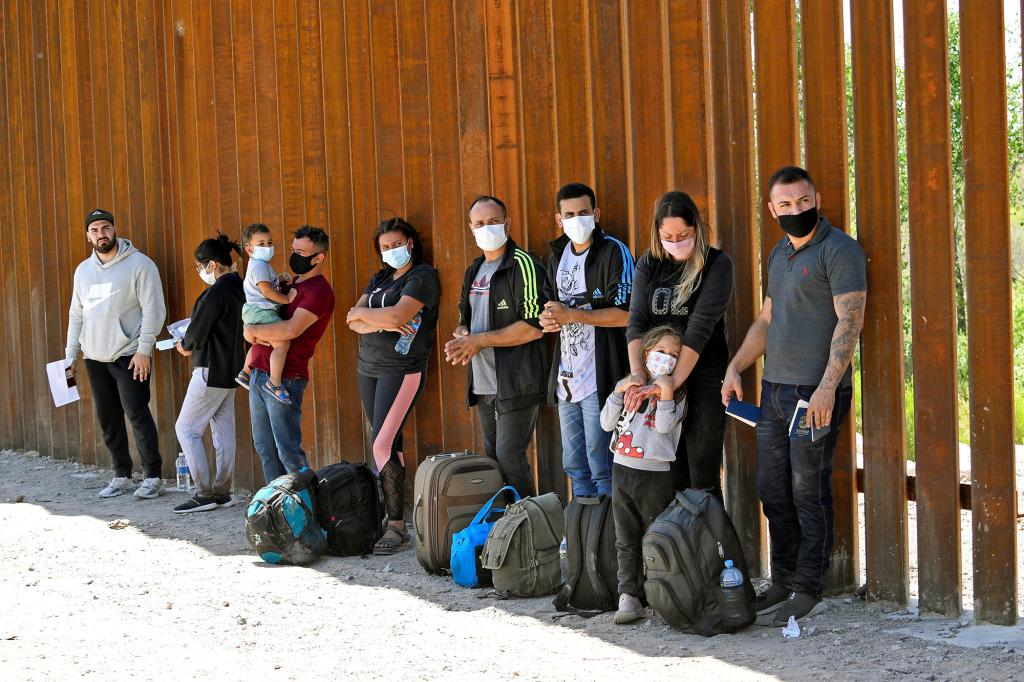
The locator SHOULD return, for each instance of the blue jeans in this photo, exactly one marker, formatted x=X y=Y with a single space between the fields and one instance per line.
x=276 y=427
x=794 y=482
x=585 y=454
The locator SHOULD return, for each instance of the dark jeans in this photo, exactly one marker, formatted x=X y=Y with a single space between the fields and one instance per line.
x=638 y=497
x=276 y=427
x=506 y=438
x=117 y=395
x=794 y=482
x=699 y=453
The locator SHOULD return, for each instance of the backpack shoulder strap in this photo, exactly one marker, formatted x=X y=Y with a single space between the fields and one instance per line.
x=597 y=521
x=565 y=593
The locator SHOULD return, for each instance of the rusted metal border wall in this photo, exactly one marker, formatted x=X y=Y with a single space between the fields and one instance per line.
x=190 y=116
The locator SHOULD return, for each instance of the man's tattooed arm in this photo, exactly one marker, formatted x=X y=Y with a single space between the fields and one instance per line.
x=850 y=310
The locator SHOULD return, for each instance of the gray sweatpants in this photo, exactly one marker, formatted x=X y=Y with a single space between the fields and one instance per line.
x=214 y=407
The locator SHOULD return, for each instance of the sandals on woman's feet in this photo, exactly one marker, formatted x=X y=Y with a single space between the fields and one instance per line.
x=394 y=540
x=280 y=393
x=243 y=379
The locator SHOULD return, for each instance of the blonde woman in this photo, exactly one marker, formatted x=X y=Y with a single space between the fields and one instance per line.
x=684 y=282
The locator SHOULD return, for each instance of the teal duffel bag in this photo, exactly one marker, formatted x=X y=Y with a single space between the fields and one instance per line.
x=469 y=542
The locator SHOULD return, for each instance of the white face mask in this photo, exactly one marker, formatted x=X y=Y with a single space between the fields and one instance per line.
x=207 y=277
x=578 y=228
x=659 y=364
x=490 y=237
x=263 y=253
x=397 y=257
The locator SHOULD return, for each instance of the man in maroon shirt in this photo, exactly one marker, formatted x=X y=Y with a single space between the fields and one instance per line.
x=276 y=426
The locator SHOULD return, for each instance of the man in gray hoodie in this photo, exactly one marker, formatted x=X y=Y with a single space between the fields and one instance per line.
x=117 y=309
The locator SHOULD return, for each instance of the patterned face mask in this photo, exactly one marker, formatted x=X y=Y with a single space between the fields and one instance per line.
x=659 y=364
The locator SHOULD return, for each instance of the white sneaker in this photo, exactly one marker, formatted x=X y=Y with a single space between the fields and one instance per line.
x=630 y=609
x=117 y=486
x=150 y=488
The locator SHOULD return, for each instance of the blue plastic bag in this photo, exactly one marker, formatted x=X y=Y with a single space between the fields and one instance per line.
x=467 y=543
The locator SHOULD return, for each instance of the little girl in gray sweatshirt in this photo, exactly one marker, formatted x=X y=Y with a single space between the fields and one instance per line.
x=644 y=444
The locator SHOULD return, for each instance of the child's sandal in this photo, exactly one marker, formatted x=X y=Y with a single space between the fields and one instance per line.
x=243 y=379
x=280 y=393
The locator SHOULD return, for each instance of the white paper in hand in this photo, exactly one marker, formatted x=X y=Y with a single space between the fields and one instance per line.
x=62 y=384
x=792 y=630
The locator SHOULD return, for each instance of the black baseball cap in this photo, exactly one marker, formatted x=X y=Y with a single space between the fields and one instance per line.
x=98 y=214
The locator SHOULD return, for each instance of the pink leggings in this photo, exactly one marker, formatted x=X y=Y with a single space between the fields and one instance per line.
x=387 y=402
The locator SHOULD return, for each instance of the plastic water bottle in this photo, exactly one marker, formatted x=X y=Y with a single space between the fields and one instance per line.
x=184 y=479
x=734 y=605
x=405 y=341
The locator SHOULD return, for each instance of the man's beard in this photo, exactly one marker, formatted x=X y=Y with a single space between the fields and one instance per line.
x=105 y=248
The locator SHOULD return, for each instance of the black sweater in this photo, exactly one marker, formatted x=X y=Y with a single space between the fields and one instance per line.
x=700 y=319
x=214 y=334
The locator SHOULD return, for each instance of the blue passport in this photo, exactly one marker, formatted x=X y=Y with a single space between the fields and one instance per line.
x=745 y=412
x=800 y=427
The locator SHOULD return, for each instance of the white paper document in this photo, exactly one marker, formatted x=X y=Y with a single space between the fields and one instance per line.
x=62 y=383
x=177 y=331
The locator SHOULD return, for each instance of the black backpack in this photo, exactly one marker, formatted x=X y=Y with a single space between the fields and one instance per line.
x=350 y=508
x=684 y=553
x=592 y=584
x=280 y=521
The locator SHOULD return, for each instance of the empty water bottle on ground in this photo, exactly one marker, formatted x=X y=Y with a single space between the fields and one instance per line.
x=184 y=479
x=734 y=605
x=405 y=341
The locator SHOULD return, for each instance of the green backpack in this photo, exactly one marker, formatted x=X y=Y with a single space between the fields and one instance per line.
x=522 y=548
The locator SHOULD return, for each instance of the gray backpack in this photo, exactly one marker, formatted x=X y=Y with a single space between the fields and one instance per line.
x=522 y=548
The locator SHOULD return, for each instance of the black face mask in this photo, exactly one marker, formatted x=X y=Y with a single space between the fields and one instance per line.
x=300 y=264
x=801 y=224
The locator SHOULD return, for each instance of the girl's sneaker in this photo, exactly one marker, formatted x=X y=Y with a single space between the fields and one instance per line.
x=630 y=609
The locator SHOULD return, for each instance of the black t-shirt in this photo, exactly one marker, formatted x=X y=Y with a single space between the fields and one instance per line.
x=377 y=354
x=700 y=319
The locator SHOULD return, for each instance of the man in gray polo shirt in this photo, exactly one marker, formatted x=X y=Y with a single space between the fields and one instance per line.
x=807 y=330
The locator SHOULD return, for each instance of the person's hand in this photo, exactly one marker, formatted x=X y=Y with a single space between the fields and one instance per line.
x=404 y=329
x=72 y=368
x=820 y=409
x=292 y=293
x=284 y=278
x=140 y=365
x=731 y=385
x=548 y=324
x=557 y=313
x=633 y=383
x=181 y=350
x=665 y=387
x=352 y=315
x=461 y=349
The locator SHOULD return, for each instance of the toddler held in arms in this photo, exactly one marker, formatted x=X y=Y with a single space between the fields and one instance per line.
x=264 y=296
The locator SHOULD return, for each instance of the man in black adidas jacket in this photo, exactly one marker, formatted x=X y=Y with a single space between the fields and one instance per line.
x=590 y=275
x=499 y=336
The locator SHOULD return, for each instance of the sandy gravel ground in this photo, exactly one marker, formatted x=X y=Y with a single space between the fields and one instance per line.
x=182 y=598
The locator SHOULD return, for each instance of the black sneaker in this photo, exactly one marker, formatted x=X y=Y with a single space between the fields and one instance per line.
x=196 y=504
x=799 y=605
x=224 y=500
x=769 y=601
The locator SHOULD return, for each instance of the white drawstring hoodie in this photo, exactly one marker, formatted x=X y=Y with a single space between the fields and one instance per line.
x=117 y=308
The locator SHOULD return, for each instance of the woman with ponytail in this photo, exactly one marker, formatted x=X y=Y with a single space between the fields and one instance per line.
x=214 y=342
x=684 y=282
